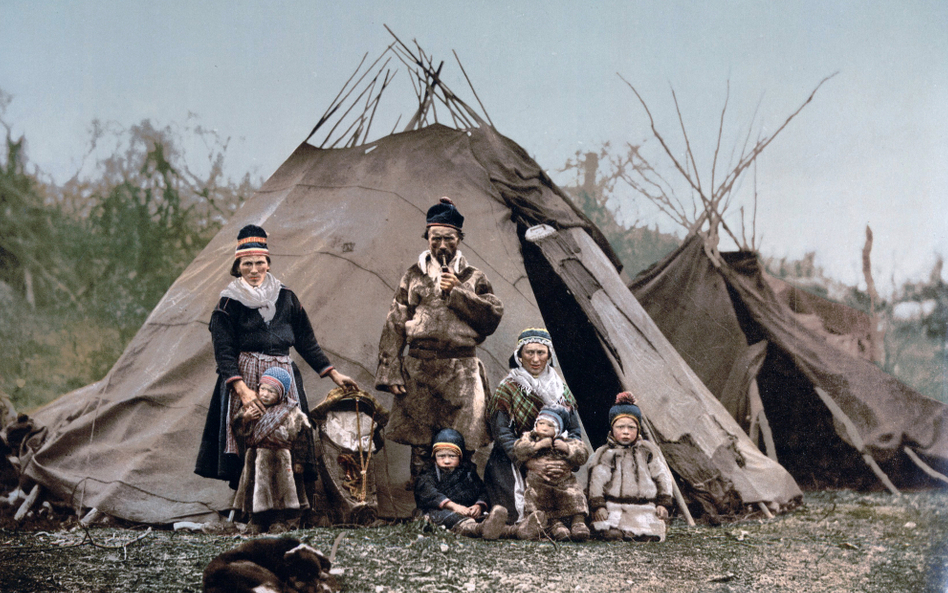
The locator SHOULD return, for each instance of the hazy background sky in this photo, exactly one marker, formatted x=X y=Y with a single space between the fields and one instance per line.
x=871 y=148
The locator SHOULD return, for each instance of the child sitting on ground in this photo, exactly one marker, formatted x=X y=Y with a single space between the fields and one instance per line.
x=561 y=499
x=450 y=493
x=271 y=486
x=629 y=485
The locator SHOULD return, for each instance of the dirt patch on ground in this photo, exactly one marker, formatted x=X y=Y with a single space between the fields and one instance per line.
x=836 y=541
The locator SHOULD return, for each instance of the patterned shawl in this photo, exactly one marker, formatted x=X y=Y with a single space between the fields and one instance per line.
x=522 y=404
x=252 y=365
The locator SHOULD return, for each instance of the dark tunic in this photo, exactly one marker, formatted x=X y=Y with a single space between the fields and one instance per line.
x=236 y=328
x=462 y=486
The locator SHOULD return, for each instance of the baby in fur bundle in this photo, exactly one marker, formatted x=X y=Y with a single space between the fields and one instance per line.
x=561 y=499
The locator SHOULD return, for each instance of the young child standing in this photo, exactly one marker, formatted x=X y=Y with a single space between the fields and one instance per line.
x=629 y=486
x=451 y=493
x=560 y=498
x=271 y=486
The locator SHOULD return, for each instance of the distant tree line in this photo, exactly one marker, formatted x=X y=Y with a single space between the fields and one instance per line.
x=82 y=263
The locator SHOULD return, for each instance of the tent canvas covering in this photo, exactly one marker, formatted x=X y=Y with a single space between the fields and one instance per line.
x=740 y=335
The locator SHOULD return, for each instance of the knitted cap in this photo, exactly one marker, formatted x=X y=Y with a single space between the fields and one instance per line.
x=533 y=335
x=444 y=213
x=450 y=439
x=278 y=378
x=625 y=408
x=556 y=414
x=251 y=240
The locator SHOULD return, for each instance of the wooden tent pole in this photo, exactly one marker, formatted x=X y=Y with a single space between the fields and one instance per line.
x=769 y=444
x=856 y=439
x=924 y=466
x=28 y=503
x=760 y=421
x=676 y=492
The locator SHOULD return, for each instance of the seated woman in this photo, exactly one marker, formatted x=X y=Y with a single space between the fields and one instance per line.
x=629 y=486
x=512 y=410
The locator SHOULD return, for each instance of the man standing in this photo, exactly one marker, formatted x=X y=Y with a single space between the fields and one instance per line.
x=442 y=309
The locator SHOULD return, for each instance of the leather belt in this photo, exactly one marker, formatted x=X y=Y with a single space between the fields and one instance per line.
x=431 y=354
x=628 y=500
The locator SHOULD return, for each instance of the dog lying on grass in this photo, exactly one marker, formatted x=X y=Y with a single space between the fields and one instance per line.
x=270 y=565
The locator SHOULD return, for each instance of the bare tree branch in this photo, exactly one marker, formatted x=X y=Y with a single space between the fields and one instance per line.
x=684 y=133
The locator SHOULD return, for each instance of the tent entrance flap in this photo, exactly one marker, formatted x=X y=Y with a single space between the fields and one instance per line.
x=583 y=361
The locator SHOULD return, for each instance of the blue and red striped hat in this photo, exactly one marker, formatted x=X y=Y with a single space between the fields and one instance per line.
x=251 y=240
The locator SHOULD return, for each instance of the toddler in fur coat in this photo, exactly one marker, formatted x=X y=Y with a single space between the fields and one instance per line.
x=559 y=497
x=629 y=486
x=271 y=486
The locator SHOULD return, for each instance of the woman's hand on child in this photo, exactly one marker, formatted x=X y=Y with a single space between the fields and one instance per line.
x=254 y=411
x=249 y=400
x=550 y=470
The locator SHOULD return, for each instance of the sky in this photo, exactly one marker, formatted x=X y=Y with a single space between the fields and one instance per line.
x=871 y=148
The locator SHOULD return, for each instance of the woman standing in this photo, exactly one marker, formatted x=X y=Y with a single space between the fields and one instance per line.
x=512 y=410
x=254 y=325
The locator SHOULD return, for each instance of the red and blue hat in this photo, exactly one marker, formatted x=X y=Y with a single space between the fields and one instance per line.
x=448 y=439
x=251 y=240
x=279 y=378
x=625 y=407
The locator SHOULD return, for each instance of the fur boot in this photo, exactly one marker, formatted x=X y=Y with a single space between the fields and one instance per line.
x=578 y=531
x=530 y=528
x=494 y=524
x=558 y=531
x=468 y=528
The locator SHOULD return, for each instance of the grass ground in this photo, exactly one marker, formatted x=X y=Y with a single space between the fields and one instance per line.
x=837 y=541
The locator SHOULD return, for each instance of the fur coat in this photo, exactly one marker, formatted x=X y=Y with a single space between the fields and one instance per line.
x=270 y=479
x=629 y=481
x=560 y=498
x=446 y=385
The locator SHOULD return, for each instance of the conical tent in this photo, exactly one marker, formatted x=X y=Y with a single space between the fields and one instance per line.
x=344 y=224
x=826 y=406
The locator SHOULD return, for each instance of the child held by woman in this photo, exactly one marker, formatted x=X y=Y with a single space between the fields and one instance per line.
x=558 y=497
x=271 y=486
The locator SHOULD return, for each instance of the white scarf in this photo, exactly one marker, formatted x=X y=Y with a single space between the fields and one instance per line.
x=432 y=267
x=547 y=385
x=263 y=298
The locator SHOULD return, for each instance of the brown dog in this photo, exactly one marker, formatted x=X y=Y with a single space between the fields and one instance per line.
x=270 y=565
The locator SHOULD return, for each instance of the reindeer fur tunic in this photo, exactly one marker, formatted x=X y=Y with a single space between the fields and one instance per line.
x=560 y=498
x=270 y=479
x=629 y=481
x=446 y=385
